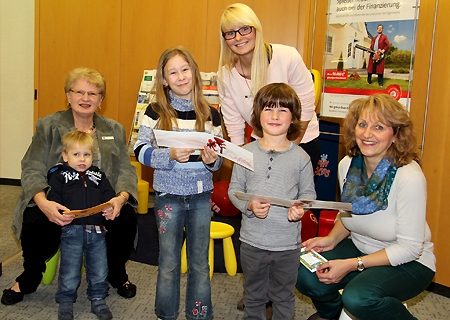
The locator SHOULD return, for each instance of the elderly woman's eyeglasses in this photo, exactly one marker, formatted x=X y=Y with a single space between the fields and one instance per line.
x=80 y=93
x=243 y=31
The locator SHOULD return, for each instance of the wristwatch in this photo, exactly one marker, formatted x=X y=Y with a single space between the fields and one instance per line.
x=361 y=266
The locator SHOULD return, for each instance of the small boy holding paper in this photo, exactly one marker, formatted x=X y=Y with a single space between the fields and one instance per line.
x=77 y=184
x=270 y=235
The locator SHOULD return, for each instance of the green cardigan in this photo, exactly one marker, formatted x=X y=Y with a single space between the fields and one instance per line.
x=45 y=151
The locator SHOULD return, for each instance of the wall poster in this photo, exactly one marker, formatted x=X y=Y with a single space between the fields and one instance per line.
x=369 y=49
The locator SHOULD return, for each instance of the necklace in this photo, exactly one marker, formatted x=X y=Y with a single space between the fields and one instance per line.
x=250 y=96
x=91 y=129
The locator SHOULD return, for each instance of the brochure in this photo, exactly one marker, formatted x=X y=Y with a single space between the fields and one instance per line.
x=306 y=203
x=311 y=259
x=197 y=140
x=88 y=212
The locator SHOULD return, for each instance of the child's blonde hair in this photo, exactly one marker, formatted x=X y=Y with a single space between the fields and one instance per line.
x=69 y=140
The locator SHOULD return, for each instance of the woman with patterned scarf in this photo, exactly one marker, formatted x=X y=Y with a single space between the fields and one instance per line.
x=388 y=257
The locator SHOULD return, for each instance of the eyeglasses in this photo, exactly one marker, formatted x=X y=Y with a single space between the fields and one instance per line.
x=243 y=31
x=80 y=93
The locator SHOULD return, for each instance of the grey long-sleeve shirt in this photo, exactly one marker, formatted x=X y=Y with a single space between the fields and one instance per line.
x=287 y=174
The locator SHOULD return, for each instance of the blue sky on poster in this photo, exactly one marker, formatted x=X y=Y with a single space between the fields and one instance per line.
x=399 y=32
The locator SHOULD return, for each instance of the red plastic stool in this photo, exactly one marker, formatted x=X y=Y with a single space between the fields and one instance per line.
x=326 y=221
x=309 y=225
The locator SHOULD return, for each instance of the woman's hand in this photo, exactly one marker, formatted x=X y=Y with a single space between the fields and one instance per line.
x=334 y=271
x=208 y=156
x=295 y=213
x=180 y=154
x=117 y=204
x=53 y=210
x=319 y=244
x=259 y=209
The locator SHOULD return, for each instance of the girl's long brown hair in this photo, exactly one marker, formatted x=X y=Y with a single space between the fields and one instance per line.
x=167 y=114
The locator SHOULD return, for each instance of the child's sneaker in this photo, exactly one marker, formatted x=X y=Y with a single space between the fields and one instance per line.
x=101 y=310
x=65 y=311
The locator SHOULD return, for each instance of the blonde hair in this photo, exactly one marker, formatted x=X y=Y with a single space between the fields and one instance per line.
x=386 y=109
x=276 y=95
x=91 y=76
x=167 y=114
x=80 y=138
x=239 y=14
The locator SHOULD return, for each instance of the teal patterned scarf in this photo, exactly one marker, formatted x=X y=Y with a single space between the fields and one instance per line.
x=368 y=195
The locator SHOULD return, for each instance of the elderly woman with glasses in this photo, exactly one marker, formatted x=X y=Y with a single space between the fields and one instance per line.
x=247 y=64
x=38 y=221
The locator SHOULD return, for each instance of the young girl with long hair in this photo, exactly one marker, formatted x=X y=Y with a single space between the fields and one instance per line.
x=182 y=183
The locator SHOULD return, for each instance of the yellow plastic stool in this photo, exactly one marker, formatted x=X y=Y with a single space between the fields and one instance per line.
x=143 y=189
x=49 y=274
x=219 y=230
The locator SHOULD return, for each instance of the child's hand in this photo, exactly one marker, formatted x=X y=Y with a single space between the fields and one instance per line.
x=180 y=154
x=208 y=156
x=108 y=213
x=259 y=209
x=295 y=213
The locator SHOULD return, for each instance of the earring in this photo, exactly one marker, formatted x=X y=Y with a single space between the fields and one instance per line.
x=68 y=105
x=99 y=107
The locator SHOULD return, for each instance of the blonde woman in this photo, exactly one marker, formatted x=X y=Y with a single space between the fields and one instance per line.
x=247 y=64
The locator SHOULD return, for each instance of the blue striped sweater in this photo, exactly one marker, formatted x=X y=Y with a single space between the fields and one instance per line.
x=171 y=176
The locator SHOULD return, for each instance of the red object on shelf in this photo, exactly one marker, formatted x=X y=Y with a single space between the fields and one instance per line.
x=326 y=222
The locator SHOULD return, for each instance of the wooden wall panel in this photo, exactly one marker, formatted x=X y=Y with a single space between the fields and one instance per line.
x=422 y=58
x=436 y=154
x=75 y=34
x=148 y=28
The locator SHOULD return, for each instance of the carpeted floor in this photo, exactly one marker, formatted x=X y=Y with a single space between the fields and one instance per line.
x=226 y=290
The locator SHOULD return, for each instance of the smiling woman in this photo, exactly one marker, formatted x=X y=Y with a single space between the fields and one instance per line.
x=389 y=236
x=247 y=63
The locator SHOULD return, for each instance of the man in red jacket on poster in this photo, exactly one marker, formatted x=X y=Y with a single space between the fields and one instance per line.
x=380 y=44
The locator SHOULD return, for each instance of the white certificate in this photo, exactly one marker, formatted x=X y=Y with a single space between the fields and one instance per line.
x=198 y=140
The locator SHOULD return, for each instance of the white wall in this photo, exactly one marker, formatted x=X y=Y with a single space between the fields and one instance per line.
x=16 y=83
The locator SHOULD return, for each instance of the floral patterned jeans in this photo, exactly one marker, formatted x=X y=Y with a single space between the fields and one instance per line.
x=174 y=215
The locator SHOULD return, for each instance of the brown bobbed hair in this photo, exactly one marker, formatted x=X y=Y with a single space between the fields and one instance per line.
x=91 y=76
x=387 y=110
x=166 y=112
x=275 y=95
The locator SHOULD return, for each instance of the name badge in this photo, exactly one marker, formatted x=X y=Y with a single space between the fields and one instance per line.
x=108 y=138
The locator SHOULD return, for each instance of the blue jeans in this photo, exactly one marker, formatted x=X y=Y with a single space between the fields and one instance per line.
x=74 y=241
x=173 y=214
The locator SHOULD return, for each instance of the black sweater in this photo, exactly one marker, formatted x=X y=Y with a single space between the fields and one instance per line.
x=79 y=190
